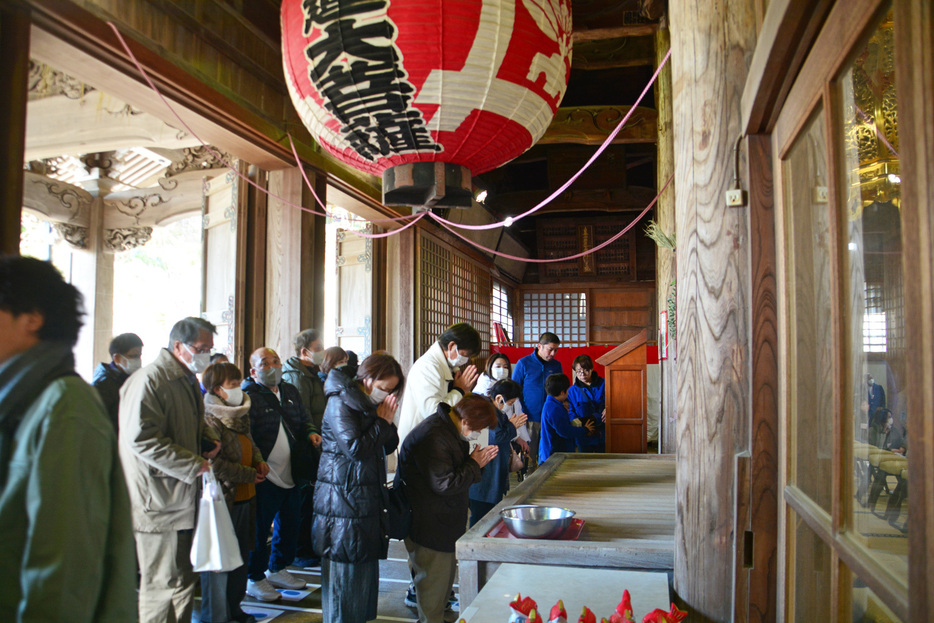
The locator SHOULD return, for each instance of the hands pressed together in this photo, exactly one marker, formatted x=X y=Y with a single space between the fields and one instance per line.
x=484 y=455
x=465 y=379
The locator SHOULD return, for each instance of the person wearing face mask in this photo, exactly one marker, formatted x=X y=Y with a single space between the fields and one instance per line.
x=335 y=358
x=498 y=368
x=303 y=372
x=239 y=467
x=530 y=372
x=160 y=441
x=494 y=483
x=440 y=375
x=126 y=351
x=280 y=425
x=438 y=469
x=348 y=530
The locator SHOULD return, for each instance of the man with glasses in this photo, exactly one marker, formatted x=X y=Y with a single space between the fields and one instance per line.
x=160 y=442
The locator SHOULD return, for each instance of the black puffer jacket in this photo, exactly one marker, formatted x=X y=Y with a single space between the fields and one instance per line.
x=349 y=524
x=437 y=469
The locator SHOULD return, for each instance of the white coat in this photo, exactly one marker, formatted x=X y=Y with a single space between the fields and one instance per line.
x=427 y=384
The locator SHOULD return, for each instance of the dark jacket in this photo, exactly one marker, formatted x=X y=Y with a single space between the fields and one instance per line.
x=349 y=524
x=530 y=372
x=310 y=387
x=558 y=435
x=437 y=469
x=108 y=379
x=588 y=403
x=267 y=411
x=494 y=483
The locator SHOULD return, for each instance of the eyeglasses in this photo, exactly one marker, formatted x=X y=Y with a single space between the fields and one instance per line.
x=204 y=350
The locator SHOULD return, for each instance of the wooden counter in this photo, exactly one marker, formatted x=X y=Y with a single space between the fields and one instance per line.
x=626 y=500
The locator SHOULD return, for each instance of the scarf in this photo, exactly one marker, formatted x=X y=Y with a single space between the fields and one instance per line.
x=234 y=418
x=22 y=379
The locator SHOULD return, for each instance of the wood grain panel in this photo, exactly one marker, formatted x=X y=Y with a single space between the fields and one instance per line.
x=710 y=58
x=763 y=502
x=283 y=261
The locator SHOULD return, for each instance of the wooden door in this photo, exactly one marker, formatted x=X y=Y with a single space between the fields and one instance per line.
x=219 y=210
x=844 y=539
x=354 y=316
x=627 y=396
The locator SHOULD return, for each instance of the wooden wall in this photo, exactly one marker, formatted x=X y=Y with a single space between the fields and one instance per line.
x=712 y=43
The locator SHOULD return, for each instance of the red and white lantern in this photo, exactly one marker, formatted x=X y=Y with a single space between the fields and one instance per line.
x=412 y=88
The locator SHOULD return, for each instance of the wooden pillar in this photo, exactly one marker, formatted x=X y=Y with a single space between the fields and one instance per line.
x=284 y=274
x=14 y=66
x=251 y=268
x=313 y=255
x=665 y=267
x=712 y=44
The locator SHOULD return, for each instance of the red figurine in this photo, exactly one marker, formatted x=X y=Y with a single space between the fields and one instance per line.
x=587 y=616
x=660 y=616
x=558 y=613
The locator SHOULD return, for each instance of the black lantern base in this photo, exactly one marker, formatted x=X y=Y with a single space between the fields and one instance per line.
x=427 y=185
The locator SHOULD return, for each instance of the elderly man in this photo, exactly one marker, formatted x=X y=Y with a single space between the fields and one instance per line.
x=279 y=426
x=302 y=371
x=65 y=536
x=160 y=440
x=530 y=372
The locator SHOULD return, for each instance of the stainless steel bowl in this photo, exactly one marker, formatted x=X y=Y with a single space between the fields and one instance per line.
x=528 y=521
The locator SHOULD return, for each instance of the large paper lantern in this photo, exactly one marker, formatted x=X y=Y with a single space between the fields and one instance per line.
x=426 y=92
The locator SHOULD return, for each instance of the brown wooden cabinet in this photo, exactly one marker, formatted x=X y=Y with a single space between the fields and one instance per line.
x=626 y=396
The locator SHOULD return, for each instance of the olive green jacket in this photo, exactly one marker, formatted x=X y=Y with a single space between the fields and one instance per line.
x=161 y=423
x=311 y=388
x=66 y=543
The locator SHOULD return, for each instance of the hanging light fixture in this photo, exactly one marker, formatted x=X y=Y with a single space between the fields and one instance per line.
x=426 y=94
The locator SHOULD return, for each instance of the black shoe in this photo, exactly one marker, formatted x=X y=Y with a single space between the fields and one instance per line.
x=307 y=563
x=410 y=599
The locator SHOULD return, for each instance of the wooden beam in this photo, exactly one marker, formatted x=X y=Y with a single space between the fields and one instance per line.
x=914 y=70
x=665 y=267
x=788 y=30
x=634 y=198
x=591 y=125
x=712 y=309
x=596 y=34
x=14 y=67
x=611 y=53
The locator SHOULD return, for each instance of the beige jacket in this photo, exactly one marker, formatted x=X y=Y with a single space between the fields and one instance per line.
x=161 y=421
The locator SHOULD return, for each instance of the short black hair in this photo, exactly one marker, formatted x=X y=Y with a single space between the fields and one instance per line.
x=218 y=355
x=189 y=329
x=124 y=343
x=584 y=361
x=465 y=336
x=304 y=339
x=506 y=388
x=549 y=338
x=556 y=384
x=31 y=285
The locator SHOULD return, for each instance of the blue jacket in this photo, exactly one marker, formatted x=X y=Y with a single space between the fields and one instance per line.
x=589 y=402
x=494 y=483
x=530 y=372
x=557 y=433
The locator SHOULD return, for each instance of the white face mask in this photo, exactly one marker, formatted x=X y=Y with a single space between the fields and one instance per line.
x=457 y=361
x=234 y=396
x=199 y=361
x=317 y=358
x=472 y=435
x=132 y=364
x=500 y=373
x=378 y=395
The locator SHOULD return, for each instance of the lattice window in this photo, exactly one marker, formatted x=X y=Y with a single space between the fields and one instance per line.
x=501 y=310
x=562 y=313
x=874 y=329
x=452 y=288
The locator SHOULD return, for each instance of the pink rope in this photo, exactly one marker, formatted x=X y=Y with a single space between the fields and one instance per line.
x=570 y=257
x=574 y=177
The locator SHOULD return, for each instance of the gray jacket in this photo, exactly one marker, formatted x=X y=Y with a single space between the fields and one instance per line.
x=161 y=420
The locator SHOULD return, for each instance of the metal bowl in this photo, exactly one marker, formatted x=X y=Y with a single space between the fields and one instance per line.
x=528 y=521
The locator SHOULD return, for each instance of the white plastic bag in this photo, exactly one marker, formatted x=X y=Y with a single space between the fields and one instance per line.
x=215 y=546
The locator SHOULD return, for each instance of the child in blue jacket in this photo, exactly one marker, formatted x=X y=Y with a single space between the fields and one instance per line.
x=558 y=434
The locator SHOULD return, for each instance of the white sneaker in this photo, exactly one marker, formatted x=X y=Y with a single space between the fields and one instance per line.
x=262 y=590
x=284 y=579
